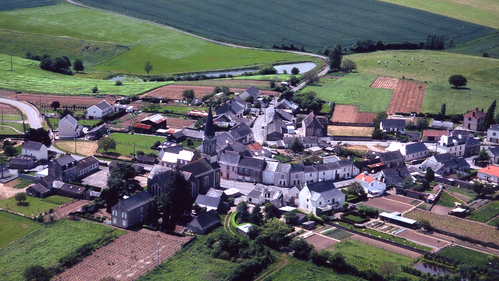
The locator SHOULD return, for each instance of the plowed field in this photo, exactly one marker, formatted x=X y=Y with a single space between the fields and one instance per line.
x=350 y=114
x=407 y=97
x=385 y=83
x=83 y=101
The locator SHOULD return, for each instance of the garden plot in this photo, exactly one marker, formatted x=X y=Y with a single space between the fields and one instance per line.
x=336 y=233
x=421 y=239
x=407 y=97
x=385 y=83
x=402 y=199
x=387 y=204
x=320 y=242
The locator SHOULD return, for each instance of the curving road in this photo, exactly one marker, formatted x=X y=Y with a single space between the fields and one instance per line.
x=30 y=111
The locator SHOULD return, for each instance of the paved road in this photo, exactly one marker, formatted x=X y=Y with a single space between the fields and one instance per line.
x=31 y=111
x=258 y=132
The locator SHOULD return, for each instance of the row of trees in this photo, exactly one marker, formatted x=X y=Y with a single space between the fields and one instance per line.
x=59 y=64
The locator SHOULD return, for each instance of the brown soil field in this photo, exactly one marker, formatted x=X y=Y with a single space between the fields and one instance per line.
x=386 y=246
x=441 y=210
x=85 y=148
x=126 y=258
x=385 y=83
x=423 y=239
x=234 y=83
x=320 y=242
x=401 y=198
x=126 y=121
x=350 y=131
x=407 y=97
x=7 y=109
x=83 y=101
x=350 y=114
x=177 y=123
x=387 y=204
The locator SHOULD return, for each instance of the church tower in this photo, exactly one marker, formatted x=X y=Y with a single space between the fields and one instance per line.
x=209 y=140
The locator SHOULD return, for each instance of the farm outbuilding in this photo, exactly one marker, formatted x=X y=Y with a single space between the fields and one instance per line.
x=396 y=218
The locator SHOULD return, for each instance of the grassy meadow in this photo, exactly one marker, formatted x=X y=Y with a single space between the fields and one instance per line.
x=314 y=23
x=34 y=206
x=353 y=89
x=15 y=227
x=124 y=143
x=22 y=4
x=447 y=200
x=465 y=255
x=46 y=246
x=485 y=213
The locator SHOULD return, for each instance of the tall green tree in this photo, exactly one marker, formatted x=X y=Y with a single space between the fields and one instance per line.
x=39 y=135
x=242 y=211
x=458 y=80
x=106 y=144
x=335 y=57
x=37 y=273
x=442 y=111
x=429 y=175
x=488 y=120
x=20 y=197
x=256 y=215
x=55 y=105
x=301 y=248
x=121 y=181
x=78 y=65
x=148 y=67
x=176 y=199
x=188 y=94
x=297 y=145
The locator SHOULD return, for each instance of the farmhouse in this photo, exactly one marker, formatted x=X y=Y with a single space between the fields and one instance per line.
x=64 y=168
x=250 y=92
x=433 y=136
x=69 y=128
x=320 y=198
x=99 y=110
x=473 y=120
x=313 y=126
x=392 y=159
x=453 y=145
x=445 y=163
x=414 y=151
x=36 y=149
x=372 y=187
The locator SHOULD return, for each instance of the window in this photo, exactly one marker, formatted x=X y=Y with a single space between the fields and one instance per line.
x=228 y=168
x=296 y=176
x=282 y=176
x=115 y=213
x=206 y=181
x=123 y=215
x=114 y=220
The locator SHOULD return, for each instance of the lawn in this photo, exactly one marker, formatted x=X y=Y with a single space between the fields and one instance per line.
x=465 y=255
x=195 y=145
x=485 y=213
x=125 y=142
x=354 y=218
x=15 y=227
x=88 y=123
x=34 y=206
x=263 y=23
x=46 y=246
x=168 y=50
x=447 y=200
x=365 y=256
x=12 y=117
x=85 y=148
x=353 y=89
x=464 y=194
x=19 y=183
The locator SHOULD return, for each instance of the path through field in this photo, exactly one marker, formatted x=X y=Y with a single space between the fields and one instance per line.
x=127 y=258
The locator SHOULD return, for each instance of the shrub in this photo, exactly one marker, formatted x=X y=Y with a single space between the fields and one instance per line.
x=95 y=89
x=118 y=83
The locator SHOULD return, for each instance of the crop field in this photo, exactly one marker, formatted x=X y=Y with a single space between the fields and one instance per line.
x=34 y=206
x=483 y=12
x=22 y=4
x=465 y=255
x=457 y=225
x=15 y=227
x=264 y=23
x=407 y=97
x=478 y=46
x=350 y=131
x=435 y=68
x=47 y=245
x=353 y=89
x=168 y=50
x=350 y=114
x=85 y=148
x=336 y=233
x=486 y=212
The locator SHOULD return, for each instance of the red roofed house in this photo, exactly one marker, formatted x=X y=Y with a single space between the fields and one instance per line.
x=489 y=173
x=142 y=128
x=433 y=136
x=372 y=186
x=473 y=120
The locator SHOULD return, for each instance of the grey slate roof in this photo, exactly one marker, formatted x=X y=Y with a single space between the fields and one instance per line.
x=252 y=163
x=212 y=192
x=251 y=91
x=295 y=168
x=393 y=123
x=197 y=167
x=32 y=145
x=70 y=118
x=415 y=148
x=309 y=169
x=283 y=168
x=208 y=201
x=64 y=160
x=326 y=188
x=271 y=166
x=209 y=129
x=87 y=162
x=103 y=105
x=137 y=200
x=160 y=172
x=395 y=176
x=230 y=158
x=494 y=151
x=240 y=131
x=391 y=156
x=204 y=222
x=173 y=149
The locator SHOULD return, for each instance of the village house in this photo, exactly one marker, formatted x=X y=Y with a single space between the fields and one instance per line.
x=36 y=149
x=252 y=92
x=64 y=168
x=250 y=169
x=433 y=136
x=414 y=151
x=494 y=154
x=209 y=202
x=22 y=162
x=493 y=134
x=473 y=120
x=452 y=145
x=204 y=223
x=445 y=163
x=392 y=159
x=320 y=198
x=442 y=125
x=131 y=211
x=68 y=128
x=262 y=194
x=372 y=186
x=86 y=166
x=393 y=177
x=489 y=173
x=392 y=125
x=99 y=110
x=313 y=126
x=242 y=133
x=229 y=161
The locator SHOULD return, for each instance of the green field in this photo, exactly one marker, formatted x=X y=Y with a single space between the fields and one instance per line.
x=169 y=51
x=478 y=46
x=124 y=143
x=448 y=201
x=483 y=12
x=264 y=23
x=35 y=206
x=353 y=89
x=47 y=245
x=482 y=75
x=12 y=117
x=485 y=213
x=21 y=4
x=465 y=255
x=365 y=256
x=15 y=227
x=464 y=194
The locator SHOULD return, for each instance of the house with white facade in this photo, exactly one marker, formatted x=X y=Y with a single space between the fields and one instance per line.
x=69 y=128
x=493 y=134
x=99 y=110
x=414 y=151
x=489 y=173
x=33 y=148
x=320 y=198
x=372 y=186
x=392 y=125
x=453 y=145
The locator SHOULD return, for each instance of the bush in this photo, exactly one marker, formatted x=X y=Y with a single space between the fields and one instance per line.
x=118 y=83
x=95 y=89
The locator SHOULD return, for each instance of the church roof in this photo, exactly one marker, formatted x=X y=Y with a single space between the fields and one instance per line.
x=209 y=130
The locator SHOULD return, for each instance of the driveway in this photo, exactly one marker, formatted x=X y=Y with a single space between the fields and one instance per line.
x=31 y=112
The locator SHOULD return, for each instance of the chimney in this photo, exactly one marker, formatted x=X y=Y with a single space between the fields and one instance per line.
x=363 y=178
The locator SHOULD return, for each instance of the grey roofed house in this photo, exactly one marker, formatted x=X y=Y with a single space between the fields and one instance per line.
x=68 y=190
x=394 y=177
x=275 y=130
x=32 y=145
x=251 y=91
x=204 y=223
x=283 y=115
x=462 y=134
x=415 y=148
x=242 y=103
x=242 y=133
x=239 y=148
x=208 y=202
x=441 y=125
x=494 y=154
x=392 y=125
x=285 y=104
x=193 y=134
x=283 y=168
x=326 y=188
x=103 y=105
x=392 y=158
x=445 y=163
x=131 y=211
x=229 y=158
x=38 y=190
x=64 y=160
x=22 y=162
x=252 y=163
x=173 y=148
x=196 y=101
x=309 y=169
x=212 y=192
x=262 y=194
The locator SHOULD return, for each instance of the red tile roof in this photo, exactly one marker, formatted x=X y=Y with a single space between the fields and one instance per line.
x=365 y=178
x=490 y=170
x=432 y=133
x=477 y=114
x=142 y=126
x=254 y=146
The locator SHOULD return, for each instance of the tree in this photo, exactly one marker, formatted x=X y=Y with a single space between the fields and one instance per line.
x=355 y=188
x=121 y=181
x=256 y=215
x=293 y=80
x=274 y=233
x=422 y=124
x=271 y=211
x=78 y=65
x=483 y=156
x=190 y=142
x=458 y=80
x=335 y=57
x=442 y=111
x=188 y=94
x=408 y=182
x=55 y=105
x=301 y=248
x=348 y=65
x=290 y=216
x=297 y=145
x=148 y=67
x=106 y=144
x=37 y=273
x=9 y=150
x=387 y=268
x=242 y=212
x=39 y=135
x=429 y=175
x=95 y=89
x=424 y=224
x=20 y=197
x=488 y=120
x=176 y=199
x=295 y=71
